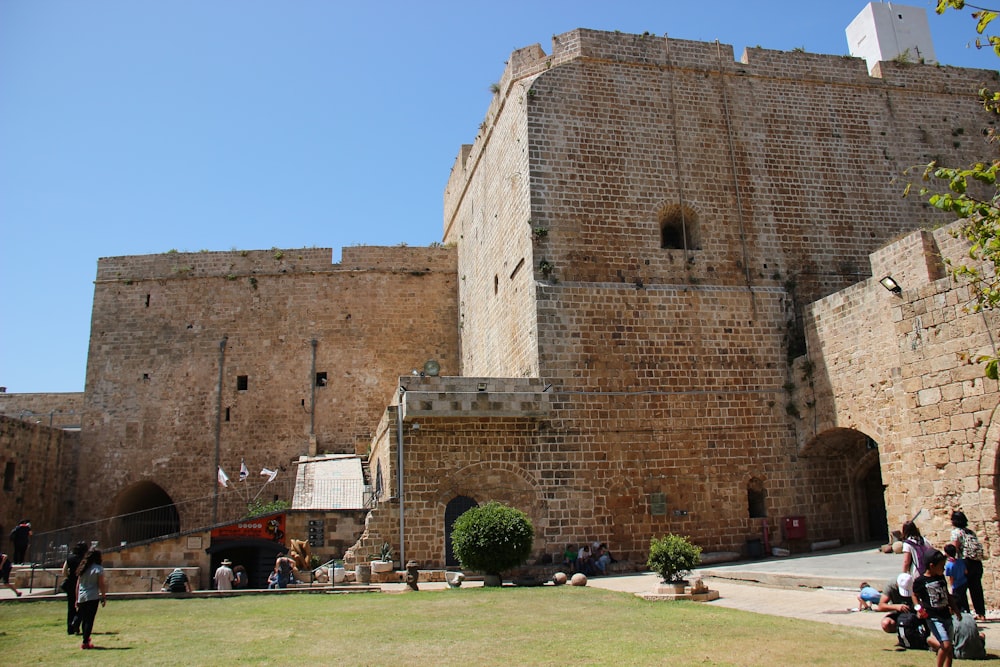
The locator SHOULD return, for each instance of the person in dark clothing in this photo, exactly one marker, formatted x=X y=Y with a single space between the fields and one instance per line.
x=69 y=585
x=20 y=537
x=935 y=605
x=970 y=550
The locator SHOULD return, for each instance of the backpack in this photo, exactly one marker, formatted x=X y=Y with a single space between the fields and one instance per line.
x=972 y=548
x=921 y=553
x=911 y=630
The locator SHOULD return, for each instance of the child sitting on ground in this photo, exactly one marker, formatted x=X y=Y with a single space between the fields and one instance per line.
x=867 y=597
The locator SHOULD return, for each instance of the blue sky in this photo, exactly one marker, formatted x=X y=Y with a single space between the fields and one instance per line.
x=134 y=127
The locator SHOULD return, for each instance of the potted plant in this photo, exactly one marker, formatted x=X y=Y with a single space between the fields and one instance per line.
x=384 y=562
x=673 y=557
x=492 y=538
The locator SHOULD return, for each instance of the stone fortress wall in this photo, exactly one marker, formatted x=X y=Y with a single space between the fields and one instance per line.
x=634 y=240
x=270 y=354
x=672 y=366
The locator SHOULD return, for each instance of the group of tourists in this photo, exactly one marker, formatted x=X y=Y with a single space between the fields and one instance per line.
x=927 y=603
x=589 y=559
x=229 y=578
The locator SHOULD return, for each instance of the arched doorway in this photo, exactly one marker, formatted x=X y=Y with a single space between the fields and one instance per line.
x=257 y=556
x=843 y=473
x=455 y=508
x=143 y=511
x=872 y=492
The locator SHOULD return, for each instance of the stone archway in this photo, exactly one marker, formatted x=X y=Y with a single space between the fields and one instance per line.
x=844 y=477
x=500 y=481
x=143 y=511
x=455 y=508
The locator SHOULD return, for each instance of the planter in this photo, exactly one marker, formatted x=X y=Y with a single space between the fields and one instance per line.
x=339 y=574
x=380 y=566
x=670 y=588
x=492 y=580
x=363 y=573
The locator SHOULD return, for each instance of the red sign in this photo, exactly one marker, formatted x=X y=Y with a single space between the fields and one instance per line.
x=271 y=528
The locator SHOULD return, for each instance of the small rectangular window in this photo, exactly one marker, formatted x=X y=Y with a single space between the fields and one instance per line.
x=227 y=414
x=321 y=379
x=242 y=382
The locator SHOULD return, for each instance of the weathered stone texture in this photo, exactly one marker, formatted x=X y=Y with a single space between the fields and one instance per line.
x=38 y=465
x=163 y=339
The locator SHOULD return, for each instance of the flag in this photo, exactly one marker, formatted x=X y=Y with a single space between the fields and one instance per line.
x=223 y=477
x=271 y=474
x=244 y=472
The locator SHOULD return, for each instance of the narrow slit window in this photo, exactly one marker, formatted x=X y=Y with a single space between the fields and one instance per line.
x=756 y=499
x=8 y=476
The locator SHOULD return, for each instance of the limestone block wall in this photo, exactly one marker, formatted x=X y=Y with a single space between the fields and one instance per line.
x=898 y=368
x=39 y=468
x=56 y=410
x=170 y=332
x=489 y=216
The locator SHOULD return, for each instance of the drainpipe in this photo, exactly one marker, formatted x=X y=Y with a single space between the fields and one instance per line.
x=218 y=429
x=312 y=402
x=399 y=474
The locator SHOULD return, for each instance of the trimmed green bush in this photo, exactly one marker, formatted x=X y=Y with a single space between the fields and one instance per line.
x=673 y=557
x=492 y=538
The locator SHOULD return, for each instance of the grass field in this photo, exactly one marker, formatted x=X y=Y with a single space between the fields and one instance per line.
x=564 y=626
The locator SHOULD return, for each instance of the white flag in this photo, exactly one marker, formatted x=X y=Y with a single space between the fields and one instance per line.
x=244 y=471
x=271 y=474
x=223 y=477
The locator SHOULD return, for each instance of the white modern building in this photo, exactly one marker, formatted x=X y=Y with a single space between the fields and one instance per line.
x=886 y=31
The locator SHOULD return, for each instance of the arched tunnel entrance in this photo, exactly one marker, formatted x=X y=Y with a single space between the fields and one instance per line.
x=143 y=511
x=848 y=495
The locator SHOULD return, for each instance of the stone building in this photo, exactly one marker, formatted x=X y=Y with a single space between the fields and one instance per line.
x=655 y=310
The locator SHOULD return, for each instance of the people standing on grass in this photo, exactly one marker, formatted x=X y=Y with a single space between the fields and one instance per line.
x=91 y=590
x=935 y=605
x=6 y=565
x=970 y=550
x=69 y=585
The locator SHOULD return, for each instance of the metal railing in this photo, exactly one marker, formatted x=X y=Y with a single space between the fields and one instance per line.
x=50 y=548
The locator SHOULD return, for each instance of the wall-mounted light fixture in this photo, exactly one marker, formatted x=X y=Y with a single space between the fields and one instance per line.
x=891 y=285
x=481 y=386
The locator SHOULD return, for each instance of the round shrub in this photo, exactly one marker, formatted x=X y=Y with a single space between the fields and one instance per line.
x=492 y=538
x=673 y=557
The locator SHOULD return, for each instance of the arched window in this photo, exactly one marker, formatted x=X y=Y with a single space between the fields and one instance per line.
x=756 y=499
x=678 y=228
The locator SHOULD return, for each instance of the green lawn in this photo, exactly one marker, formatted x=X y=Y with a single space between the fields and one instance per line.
x=563 y=626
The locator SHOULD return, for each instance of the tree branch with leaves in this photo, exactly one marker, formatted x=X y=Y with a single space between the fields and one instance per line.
x=948 y=189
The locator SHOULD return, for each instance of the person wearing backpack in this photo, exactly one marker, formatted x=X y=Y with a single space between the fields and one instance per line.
x=970 y=549
x=916 y=550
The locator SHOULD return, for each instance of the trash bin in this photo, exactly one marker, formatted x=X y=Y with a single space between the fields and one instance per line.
x=755 y=548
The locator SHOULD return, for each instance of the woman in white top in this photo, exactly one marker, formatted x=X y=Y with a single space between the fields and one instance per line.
x=91 y=590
